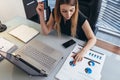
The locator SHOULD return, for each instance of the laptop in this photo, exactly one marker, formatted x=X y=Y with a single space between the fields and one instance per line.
x=35 y=58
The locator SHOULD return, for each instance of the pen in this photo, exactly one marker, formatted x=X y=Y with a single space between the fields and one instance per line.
x=40 y=1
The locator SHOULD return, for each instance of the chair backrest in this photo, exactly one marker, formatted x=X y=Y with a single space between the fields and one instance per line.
x=90 y=8
x=30 y=10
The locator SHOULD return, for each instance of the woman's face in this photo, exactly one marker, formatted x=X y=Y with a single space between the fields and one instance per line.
x=67 y=11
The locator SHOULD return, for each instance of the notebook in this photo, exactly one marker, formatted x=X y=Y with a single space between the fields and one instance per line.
x=36 y=58
x=24 y=33
x=6 y=45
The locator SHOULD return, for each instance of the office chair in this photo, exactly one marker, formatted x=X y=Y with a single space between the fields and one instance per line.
x=90 y=8
x=30 y=10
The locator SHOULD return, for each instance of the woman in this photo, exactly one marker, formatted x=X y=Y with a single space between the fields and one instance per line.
x=67 y=19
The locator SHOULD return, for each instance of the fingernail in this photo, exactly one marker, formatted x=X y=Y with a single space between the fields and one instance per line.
x=74 y=62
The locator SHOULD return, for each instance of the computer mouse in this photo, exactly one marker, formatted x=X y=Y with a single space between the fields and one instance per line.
x=2 y=27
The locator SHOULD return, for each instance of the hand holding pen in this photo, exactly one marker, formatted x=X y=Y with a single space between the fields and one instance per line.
x=40 y=8
x=77 y=57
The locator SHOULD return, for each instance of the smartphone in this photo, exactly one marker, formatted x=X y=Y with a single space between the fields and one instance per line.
x=68 y=43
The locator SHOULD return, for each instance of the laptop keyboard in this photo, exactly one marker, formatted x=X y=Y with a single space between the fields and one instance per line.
x=40 y=57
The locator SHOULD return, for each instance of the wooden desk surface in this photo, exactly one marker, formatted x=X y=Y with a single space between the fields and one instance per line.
x=108 y=46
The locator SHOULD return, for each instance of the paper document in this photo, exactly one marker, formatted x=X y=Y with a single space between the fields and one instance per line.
x=87 y=69
x=7 y=46
x=24 y=33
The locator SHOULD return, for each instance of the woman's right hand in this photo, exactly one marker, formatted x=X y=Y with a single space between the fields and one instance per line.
x=40 y=9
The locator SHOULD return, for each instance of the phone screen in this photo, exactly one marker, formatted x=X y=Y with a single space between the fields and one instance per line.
x=68 y=43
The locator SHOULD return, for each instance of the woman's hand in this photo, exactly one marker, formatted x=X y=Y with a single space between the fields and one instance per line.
x=40 y=9
x=79 y=56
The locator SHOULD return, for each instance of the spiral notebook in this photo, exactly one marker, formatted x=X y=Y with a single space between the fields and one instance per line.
x=24 y=33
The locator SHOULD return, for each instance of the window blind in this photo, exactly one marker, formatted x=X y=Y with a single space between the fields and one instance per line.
x=109 y=16
x=51 y=3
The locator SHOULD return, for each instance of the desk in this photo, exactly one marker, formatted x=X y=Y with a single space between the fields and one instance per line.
x=10 y=72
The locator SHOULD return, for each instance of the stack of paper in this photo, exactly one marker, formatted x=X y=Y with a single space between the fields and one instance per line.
x=7 y=46
x=24 y=33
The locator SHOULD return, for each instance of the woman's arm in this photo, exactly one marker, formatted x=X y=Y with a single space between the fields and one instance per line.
x=90 y=36
x=90 y=43
x=46 y=27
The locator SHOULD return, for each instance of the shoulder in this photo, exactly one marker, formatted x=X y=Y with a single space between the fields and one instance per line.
x=81 y=18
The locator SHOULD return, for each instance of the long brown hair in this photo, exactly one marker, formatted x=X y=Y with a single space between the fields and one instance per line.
x=58 y=15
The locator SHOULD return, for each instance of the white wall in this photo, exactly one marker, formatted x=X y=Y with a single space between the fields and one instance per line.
x=10 y=9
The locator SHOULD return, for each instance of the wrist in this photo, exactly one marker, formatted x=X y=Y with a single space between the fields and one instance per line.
x=42 y=19
x=83 y=51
